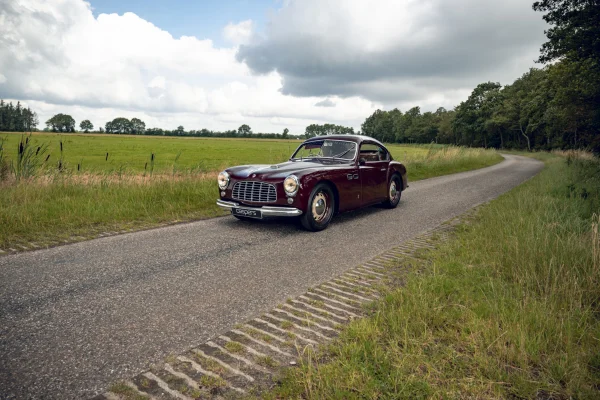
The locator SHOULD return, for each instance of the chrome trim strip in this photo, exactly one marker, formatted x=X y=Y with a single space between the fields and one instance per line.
x=267 y=211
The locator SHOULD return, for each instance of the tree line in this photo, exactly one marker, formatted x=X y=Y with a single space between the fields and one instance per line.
x=554 y=107
x=17 y=118
x=135 y=126
x=327 y=129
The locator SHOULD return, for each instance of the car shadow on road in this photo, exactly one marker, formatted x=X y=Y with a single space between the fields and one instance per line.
x=282 y=225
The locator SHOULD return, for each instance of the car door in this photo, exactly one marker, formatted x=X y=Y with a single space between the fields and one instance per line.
x=373 y=166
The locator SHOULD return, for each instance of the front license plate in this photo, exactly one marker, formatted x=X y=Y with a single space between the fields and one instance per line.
x=246 y=212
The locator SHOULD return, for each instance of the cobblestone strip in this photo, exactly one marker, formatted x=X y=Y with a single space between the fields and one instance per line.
x=247 y=359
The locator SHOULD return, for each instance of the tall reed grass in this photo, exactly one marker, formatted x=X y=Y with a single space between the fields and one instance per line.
x=442 y=160
x=4 y=166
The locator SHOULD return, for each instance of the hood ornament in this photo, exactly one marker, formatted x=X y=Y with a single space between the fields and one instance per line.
x=254 y=175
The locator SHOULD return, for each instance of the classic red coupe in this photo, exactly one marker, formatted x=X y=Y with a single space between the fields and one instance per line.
x=326 y=175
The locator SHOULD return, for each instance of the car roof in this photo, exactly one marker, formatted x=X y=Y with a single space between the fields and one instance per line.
x=349 y=138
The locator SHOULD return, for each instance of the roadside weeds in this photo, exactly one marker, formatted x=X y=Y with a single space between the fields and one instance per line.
x=510 y=308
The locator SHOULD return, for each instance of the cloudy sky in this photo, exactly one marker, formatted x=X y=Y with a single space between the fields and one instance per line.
x=269 y=63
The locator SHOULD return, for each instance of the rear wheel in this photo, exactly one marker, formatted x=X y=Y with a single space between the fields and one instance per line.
x=394 y=192
x=321 y=206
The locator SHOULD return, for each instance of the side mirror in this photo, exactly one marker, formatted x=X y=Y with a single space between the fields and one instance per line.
x=362 y=161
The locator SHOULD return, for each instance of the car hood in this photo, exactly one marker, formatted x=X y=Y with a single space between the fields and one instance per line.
x=281 y=171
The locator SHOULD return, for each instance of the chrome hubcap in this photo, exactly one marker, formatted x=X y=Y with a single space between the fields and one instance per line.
x=393 y=191
x=319 y=206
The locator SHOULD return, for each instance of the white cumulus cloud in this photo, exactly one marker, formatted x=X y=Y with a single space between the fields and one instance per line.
x=239 y=33
x=317 y=61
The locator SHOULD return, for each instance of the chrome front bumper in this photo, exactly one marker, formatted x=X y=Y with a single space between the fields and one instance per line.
x=267 y=211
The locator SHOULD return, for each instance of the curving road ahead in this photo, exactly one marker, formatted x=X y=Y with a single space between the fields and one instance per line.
x=75 y=318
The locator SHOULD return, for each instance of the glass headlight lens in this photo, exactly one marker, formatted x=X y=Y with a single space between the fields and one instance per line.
x=291 y=185
x=223 y=180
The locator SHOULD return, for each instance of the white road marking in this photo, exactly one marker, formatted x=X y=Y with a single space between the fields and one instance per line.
x=265 y=333
x=273 y=326
x=325 y=298
x=189 y=381
x=201 y=370
x=351 y=302
x=248 y=348
x=345 y=293
x=260 y=342
x=330 y=313
x=163 y=385
x=224 y=364
x=308 y=321
x=302 y=328
x=310 y=313
x=346 y=289
x=237 y=357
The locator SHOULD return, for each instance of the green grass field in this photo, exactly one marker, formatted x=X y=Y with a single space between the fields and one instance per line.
x=110 y=195
x=131 y=153
x=509 y=309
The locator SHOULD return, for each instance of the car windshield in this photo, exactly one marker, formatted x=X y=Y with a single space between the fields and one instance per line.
x=327 y=149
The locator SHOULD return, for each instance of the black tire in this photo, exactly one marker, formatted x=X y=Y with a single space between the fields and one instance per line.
x=394 y=192
x=320 y=208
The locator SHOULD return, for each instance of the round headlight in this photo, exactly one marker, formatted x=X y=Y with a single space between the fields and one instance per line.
x=223 y=180
x=291 y=185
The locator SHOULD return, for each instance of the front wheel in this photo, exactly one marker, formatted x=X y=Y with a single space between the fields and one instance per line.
x=394 y=192
x=321 y=205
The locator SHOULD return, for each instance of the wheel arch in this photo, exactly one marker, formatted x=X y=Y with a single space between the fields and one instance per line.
x=399 y=175
x=400 y=170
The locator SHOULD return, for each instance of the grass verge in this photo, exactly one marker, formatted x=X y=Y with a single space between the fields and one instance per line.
x=508 y=309
x=52 y=191
x=64 y=208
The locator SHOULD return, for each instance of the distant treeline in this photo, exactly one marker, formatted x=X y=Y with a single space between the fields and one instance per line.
x=557 y=106
x=16 y=118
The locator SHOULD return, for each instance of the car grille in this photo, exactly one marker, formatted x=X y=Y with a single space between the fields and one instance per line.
x=258 y=192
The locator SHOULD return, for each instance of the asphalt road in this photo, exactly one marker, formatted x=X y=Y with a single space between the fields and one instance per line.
x=75 y=318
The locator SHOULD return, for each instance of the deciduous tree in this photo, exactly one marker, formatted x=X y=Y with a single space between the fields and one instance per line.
x=86 y=125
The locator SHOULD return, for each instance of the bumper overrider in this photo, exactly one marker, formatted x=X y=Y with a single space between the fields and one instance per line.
x=266 y=211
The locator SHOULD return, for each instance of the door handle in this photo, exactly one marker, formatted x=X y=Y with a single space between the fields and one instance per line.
x=383 y=169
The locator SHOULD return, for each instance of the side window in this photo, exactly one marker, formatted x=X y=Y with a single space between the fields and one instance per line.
x=373 y=152
x=383 y=154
